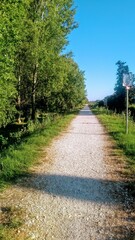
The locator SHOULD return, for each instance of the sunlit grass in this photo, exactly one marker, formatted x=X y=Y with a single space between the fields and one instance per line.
x=17 y=159
x=116 y=126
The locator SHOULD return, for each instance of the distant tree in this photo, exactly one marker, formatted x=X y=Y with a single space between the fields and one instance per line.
x=118 y=99
x=122 y=68
x=101 y=103
x=68 y=89
x=116 y=102
x=74 y=88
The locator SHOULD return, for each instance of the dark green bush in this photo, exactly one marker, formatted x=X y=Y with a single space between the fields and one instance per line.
x=132 y=111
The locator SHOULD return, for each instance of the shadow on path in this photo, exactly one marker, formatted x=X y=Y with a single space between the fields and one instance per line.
x=83 y=189
x=85 y=111
x=91 y=190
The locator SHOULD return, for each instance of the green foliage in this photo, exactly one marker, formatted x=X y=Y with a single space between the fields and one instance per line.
x=72 y=93
x=132 y=111
x=122 y=69
x=11 y=29
x=33 y=71
x=117 y=101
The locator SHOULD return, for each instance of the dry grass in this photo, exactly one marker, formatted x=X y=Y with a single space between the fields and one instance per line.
x=11 y=224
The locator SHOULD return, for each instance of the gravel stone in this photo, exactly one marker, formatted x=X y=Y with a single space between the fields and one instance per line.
x=76 y=192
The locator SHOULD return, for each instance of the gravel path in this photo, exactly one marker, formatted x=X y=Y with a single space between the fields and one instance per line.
x=76 y=193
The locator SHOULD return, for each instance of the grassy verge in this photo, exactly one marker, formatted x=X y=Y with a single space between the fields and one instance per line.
x=115 y=125
x=18 y=158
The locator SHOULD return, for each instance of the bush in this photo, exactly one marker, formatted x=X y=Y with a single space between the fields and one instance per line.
x=132 y=111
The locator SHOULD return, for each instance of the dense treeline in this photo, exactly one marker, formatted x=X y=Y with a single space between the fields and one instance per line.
x=117 y=101
x=34 y=74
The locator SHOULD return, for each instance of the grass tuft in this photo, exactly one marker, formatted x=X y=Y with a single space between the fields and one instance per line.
x=12 y=219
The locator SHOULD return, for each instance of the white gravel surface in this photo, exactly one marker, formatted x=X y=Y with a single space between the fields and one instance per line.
x=75 y=193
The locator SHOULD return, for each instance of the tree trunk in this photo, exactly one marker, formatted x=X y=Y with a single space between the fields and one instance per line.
x=33 y=115
x=19 y=97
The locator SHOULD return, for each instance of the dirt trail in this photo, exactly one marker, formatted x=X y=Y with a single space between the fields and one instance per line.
x=76 y=193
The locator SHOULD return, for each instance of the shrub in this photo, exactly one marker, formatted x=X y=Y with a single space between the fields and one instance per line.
x=132 y=111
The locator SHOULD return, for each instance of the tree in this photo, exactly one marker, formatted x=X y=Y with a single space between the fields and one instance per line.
x=73 y=93
x=11 y=15
x=117 y=101
x=33 y=71
x=119 y=90
x=51 y=22
x=122 y=68
x=65 y=90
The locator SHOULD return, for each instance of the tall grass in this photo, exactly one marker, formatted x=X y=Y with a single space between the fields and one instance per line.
x=116 y=126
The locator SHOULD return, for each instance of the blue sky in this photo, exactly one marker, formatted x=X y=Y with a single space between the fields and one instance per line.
x=106 y=34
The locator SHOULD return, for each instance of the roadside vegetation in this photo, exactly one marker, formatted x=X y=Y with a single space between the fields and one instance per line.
x=17 y=157
x=112 y=113
x=115 y=124
x=39 y=82
x=16 y=160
